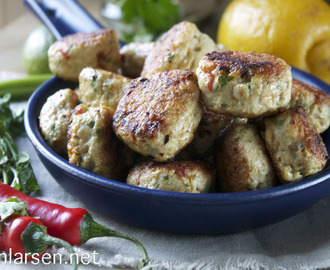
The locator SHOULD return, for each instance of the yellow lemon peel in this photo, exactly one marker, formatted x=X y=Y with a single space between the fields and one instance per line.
x=297 y=31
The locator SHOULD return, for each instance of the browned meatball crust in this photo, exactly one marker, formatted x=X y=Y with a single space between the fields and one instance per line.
x=242 y=160
x=158 y=117
x=100 y=87
x=54 y=119
x=296 y=148
x=181 y=47
x=98 y=49
x=316 y=103
x=244 y=84
x=93 y=146
x=209 y=129
x=178 y=176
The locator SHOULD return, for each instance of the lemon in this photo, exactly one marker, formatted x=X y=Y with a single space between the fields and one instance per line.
x=317 y=62
x=35 y=58
x=297 y=31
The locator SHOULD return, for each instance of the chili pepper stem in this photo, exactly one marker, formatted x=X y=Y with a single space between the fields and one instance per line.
x=35 y=240
x=90 y=229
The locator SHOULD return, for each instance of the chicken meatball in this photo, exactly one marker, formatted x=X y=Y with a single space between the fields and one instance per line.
x=98 y=49
x=92 y=145
x=244 y=84
x=158 y=117
x=295 y=147
x=132 y=57
x=316 y=103
x=54 y=119
x=100 y=87
x=242 y=160
x=181 y=47
x=178 y=176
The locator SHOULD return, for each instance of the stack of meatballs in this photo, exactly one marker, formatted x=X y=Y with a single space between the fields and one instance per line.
x=182 y=114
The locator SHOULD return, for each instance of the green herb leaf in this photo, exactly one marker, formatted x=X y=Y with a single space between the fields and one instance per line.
x=91 y=124
x=94 y=82
x=15 y=167
x=222 y=81
x=171 y=57
x=153 y=17
x=12 y=206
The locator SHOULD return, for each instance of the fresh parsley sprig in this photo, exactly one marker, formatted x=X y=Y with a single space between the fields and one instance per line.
x=12 y=206
x=154 y=17
x=15 y=167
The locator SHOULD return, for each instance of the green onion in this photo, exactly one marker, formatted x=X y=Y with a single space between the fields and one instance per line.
x=21 y=89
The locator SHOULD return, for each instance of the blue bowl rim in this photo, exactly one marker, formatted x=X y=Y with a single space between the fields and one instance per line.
x=32 y=130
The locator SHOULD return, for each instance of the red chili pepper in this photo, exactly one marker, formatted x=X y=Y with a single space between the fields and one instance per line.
x=26 y=237
x=210 y=83
x=65 y=54
x=60 y=221
x=73 y=225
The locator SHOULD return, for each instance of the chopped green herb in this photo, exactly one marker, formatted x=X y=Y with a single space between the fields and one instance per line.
x=171 y=57
x=156 y=185
x=93 y=82
x=279 y=122
x=52 y=127
x=224 y=105
x=91 y=124
x=166 y=178
x=222 y=81
x=107 y=95
x=307 y=105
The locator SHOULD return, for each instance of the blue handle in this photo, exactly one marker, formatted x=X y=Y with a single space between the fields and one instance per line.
x=63 y=17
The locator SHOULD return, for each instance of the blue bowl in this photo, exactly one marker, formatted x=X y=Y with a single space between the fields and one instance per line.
x=172 y=211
